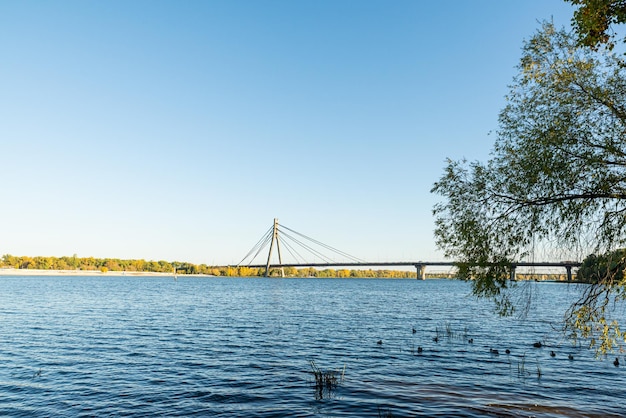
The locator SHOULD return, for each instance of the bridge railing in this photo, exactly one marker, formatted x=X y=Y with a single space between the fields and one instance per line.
x=421 y=266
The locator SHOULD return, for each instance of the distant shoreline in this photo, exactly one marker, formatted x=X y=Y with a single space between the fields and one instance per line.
x=36 y=272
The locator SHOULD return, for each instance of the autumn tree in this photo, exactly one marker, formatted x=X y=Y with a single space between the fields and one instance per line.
x=556 y=178
x=594 y=21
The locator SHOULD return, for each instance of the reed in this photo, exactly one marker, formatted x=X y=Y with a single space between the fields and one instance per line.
x=384 y=414
x=326 y=382
x=446 y=330
x=521 y=366
x=417 y=350
x=539 y=373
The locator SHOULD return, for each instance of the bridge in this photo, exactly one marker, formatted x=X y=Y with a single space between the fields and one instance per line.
x=278 y=234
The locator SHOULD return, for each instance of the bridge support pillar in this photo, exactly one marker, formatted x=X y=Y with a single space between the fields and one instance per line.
x=269 y=256
x=569 y=273
x=421 y=271
x=513 y=268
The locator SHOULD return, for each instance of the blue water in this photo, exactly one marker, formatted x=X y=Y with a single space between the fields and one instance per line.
x=146 y=346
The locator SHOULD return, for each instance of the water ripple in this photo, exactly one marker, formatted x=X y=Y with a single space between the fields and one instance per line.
x=242 y=347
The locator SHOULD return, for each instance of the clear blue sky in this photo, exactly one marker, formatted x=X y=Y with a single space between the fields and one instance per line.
x=178 y=130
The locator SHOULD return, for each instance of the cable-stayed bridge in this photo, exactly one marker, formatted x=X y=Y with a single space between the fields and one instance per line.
x=296 y=244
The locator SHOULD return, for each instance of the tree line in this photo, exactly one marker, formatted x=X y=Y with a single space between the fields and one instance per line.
x=116 y=264
x=592 y=268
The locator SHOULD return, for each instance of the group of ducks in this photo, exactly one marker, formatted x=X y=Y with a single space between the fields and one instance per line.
x=552 y=353
x=538 y=344
x=495 y=352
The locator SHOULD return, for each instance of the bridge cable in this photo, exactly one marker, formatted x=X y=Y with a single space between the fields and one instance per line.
x=262 y=243
x=339 y=252
x=292 y=250
x=328 y=247
x=290 y=242
x=310 y=249
x=268 y=240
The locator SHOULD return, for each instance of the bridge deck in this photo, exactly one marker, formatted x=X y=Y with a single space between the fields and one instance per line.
x=418 y=263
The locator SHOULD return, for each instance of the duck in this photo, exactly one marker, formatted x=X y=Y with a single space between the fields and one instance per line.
x=616 y=362
x=414 y=330
x=494 y=351
x=552 y=354
x=537 y=344
x=379 y=342
x=436 y=339
x=570 y=356
x=471 y=341
x=507 y=351
x=419 y=350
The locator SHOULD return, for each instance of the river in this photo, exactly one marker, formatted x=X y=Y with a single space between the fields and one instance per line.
x=155 y=346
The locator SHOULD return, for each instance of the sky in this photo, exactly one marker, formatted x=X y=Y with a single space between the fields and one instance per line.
x=178 y=130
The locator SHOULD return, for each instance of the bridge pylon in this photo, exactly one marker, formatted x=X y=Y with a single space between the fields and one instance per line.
x=269 y=256
x=421 y=271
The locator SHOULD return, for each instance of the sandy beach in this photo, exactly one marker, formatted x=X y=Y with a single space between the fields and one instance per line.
x=35 y=272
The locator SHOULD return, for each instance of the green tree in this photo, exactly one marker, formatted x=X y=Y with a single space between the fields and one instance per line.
x=598 y=269
x=557 y=174
x=60 y=263
x=43 y=263
x=594 y=19
x=75 y=262
x=10 y=261
x=27 y=263
x=291 y=271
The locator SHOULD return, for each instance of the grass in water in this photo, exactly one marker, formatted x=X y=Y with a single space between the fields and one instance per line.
x=326 y=381
x=449 y=333
x=521 y=366
x=384 y=414
x=539 y=373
